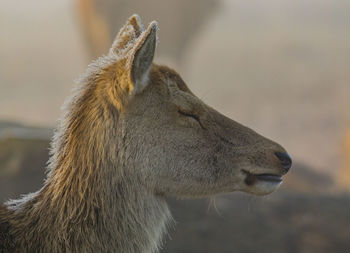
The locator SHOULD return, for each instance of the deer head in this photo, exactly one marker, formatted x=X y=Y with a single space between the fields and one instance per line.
x=175 y=143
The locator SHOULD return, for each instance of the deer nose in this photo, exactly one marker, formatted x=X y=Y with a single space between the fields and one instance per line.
x=285 y=160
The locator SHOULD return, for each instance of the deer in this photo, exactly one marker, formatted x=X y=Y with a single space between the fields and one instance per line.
x=133 y=134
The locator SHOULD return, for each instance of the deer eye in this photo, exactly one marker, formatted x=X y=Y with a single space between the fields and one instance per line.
x=191 y=115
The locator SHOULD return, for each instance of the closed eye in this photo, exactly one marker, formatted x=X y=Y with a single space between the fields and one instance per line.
x=186 y=114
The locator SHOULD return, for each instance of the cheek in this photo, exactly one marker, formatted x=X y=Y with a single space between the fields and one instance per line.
x=187 y=162
x=169 y=150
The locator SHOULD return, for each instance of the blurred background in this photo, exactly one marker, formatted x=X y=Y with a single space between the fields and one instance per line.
x=281 y=67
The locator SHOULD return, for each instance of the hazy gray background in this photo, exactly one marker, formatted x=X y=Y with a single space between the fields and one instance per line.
x=282 y=67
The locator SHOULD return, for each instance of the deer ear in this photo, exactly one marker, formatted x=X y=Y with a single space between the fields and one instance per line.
x=127 y=35
x=141 y=57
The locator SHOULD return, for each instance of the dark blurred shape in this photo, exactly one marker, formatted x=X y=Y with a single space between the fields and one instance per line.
x=23 y=156
x=284 y=222
x=178 y=20
x=344 y=174
x=22 y=166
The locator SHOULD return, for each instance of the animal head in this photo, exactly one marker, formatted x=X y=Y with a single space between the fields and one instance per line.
x=170 y=139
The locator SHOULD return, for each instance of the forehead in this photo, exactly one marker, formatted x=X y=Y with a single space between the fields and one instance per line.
x=160 y=75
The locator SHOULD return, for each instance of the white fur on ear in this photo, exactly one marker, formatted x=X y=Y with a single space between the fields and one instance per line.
x=141 y=57
x=127 y=35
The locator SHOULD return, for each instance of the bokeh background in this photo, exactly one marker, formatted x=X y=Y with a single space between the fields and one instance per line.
x=282 y=67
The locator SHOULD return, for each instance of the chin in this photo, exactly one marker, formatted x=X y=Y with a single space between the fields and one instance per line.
x=263 y=188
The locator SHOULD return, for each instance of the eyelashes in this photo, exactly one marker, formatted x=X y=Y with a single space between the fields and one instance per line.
x=191 y=115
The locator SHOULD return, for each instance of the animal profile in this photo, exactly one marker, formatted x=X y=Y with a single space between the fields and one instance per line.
x=131 y=135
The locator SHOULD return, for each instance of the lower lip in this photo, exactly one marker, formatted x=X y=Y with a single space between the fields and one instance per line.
x=269 y=178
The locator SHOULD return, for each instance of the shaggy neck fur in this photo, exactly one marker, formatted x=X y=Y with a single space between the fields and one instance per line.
x=91 y=201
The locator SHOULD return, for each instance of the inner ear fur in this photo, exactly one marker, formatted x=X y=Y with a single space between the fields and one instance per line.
x=141 y=58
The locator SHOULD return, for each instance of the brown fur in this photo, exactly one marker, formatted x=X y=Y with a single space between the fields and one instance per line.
x=131 y=134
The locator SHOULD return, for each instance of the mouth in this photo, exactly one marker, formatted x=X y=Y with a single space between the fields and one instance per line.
x=252 y=178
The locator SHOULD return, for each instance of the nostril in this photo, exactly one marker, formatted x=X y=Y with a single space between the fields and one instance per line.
x=285 y=159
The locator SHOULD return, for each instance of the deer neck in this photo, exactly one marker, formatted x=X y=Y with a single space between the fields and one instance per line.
x=90 y=203
x=121 y=217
